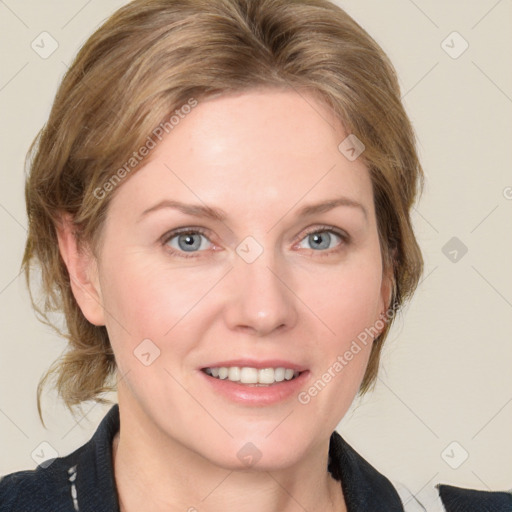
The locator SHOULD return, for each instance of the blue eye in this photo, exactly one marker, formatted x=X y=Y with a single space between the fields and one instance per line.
x=188 y=242
x=321 y=239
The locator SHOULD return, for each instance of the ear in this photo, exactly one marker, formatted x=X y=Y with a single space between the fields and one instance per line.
x=387 y=290
x=386 y=294
x=83 y=271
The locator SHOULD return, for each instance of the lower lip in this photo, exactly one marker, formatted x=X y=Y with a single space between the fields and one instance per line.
x=257 y=395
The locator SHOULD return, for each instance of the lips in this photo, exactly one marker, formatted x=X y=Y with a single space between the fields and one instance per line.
x=256 y=395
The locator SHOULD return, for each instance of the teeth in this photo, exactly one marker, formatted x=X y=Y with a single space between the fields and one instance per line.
x=248 y=375
x=234 y=373
x=279 y=374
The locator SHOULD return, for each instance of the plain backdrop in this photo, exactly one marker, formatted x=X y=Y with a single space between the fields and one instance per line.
x=442 y=409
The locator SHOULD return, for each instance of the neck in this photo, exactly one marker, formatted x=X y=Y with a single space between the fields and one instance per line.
x=180 y=479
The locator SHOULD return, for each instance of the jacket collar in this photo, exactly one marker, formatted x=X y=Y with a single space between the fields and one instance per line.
x=364 y=488
x=98 y=482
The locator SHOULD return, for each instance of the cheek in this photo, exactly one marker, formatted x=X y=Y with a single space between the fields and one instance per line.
x=348 y=305
x=347 y=300
x=145 y=300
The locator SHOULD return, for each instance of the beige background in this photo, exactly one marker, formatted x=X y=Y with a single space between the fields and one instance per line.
x=446 y=373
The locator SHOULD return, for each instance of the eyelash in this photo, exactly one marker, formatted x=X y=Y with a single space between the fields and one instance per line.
x=194 y=231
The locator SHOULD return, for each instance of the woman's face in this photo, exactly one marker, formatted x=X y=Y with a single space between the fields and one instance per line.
x=255 y=288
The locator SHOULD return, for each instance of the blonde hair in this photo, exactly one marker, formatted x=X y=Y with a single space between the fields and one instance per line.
x=153 y=56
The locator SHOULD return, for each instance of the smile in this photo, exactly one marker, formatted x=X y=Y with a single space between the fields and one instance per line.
x=252 y=376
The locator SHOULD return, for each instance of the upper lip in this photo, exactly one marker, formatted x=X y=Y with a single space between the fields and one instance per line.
x=254 y=363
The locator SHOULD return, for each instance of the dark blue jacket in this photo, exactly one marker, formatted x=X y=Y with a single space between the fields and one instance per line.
x=84 y=481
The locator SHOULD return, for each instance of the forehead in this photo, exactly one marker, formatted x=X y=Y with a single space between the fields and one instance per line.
x=253 y=151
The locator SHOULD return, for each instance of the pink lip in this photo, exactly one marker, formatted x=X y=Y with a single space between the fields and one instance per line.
x=253 y=363
x=253 y=395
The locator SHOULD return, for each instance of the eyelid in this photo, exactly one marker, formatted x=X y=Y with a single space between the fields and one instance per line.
x=164 y=239
x=186 y=229
x=321 y=228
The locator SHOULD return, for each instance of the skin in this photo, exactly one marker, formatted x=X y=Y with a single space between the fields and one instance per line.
x=260 y=156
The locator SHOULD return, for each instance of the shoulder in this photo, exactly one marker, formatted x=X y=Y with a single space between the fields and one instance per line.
x=84 y=476
x=459 y=499
x=449 y=498
x=366 y=488
x=13 y=487
x=40 y=489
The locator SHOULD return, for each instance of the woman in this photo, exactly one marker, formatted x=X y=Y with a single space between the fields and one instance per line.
x=220 y=205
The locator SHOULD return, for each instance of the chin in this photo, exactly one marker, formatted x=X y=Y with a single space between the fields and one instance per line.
x=256 y=453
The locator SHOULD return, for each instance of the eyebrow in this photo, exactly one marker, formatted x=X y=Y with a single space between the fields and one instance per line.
x=214 y=213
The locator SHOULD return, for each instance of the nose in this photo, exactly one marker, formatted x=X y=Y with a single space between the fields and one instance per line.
x=262 y=300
